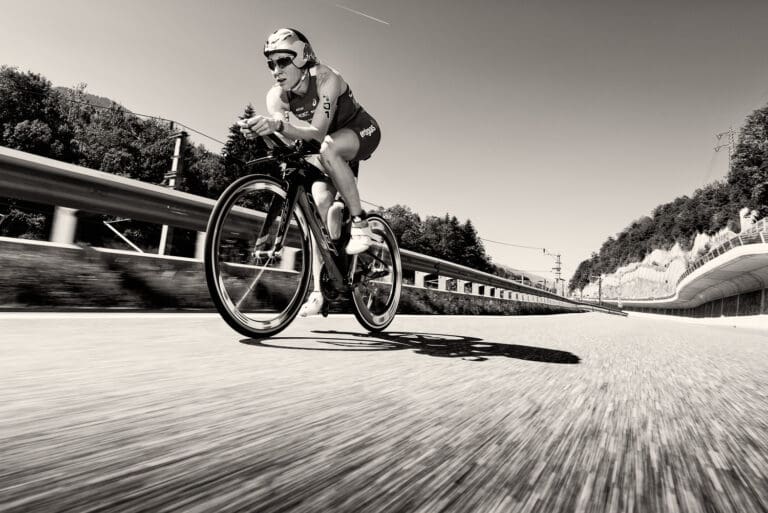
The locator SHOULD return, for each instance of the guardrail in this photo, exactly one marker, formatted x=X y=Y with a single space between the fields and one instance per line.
x=757 y=234
x=754 y=235
x=44 y=180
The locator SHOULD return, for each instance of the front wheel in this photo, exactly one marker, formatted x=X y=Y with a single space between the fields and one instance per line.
x=377 y=278
x=257 y=270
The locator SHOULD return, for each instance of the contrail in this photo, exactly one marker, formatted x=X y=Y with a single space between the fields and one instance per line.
x=361 y=14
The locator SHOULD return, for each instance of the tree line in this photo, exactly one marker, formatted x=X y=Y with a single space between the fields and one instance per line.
x=708 y=210
x=71 y=125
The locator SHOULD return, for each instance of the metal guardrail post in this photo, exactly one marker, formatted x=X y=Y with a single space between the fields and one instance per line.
x=200 y=245
x=288 y=260
x=64 y=225
x=171 y=178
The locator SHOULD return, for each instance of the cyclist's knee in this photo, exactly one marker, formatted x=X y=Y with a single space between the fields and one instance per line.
x=328 y=150
x=327 y=146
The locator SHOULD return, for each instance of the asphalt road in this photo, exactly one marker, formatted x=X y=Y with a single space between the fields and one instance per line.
x=569 y=413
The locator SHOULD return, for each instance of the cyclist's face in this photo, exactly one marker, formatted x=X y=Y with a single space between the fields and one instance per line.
x=285 y=73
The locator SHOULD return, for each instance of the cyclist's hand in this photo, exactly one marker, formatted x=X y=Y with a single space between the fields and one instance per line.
x=263 y=125
x=245 y=129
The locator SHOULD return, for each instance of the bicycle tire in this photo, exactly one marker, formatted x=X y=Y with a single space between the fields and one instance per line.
x=378 y=318
x=228 y=233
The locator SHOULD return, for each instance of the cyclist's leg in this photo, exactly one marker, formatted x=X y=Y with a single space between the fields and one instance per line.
x=337 y=149
x=323 y=193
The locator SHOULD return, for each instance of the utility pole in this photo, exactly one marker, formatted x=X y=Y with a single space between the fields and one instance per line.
x=730 y=144
x=599 y=287
x=557 y=269
x=600 y=290
x=177 y=166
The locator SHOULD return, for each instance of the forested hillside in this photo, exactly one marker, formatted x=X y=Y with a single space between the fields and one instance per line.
x=71 y=125
x=707 y=210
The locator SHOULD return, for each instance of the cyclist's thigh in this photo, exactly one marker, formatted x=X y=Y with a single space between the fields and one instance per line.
x=346 y=143
x=368 y=134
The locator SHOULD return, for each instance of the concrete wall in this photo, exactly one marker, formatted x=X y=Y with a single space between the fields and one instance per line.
x=747 y=303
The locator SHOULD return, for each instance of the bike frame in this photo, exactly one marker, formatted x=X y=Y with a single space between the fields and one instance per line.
x=298 y=188
x=290 y=204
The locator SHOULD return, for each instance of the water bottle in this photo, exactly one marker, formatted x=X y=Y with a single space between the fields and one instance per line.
x=335 y=219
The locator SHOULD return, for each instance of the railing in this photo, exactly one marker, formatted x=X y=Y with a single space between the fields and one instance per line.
x=754 y=235
x=43 y=180
x=757 y=234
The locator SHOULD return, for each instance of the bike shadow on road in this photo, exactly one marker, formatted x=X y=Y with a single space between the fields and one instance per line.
x=429 y=344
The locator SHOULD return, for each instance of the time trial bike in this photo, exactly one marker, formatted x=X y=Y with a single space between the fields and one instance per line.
x=258 y=251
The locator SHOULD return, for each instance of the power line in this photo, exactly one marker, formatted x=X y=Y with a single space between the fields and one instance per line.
x=200 y=133
x=510 y=244
x=372 y=204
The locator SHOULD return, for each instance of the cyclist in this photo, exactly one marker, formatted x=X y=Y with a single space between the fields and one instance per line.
x=318 y=95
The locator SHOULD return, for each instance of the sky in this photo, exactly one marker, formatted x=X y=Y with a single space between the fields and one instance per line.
x=550 y=124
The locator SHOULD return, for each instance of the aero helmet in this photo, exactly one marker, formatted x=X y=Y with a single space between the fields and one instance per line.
x=291 y=41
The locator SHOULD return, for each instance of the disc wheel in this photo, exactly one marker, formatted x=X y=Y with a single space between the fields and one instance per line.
x=257 y=290
x=377 y=276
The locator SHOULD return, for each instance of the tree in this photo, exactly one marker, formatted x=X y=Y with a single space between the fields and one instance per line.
x=24 y=220
x=473 y=251
x=748 y=177
x=237 y=152
x=407 y=227
x=710 y=209
x=203 y=172
x=29 y=116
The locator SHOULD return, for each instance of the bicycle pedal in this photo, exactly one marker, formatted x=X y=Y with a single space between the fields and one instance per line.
x=325 y=309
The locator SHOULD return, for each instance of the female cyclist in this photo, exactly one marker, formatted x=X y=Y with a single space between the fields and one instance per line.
x=318 y=95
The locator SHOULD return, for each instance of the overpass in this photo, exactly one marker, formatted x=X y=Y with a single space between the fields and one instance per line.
x=730 y=279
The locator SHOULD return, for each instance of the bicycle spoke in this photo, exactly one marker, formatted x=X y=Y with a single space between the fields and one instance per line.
x=255 y=288
x=253 y=284
x=379 y=273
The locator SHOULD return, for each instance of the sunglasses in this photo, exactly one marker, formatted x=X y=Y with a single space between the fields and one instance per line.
x=282 y=63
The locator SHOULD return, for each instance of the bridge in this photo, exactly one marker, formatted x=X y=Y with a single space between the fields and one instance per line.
x=580 y=411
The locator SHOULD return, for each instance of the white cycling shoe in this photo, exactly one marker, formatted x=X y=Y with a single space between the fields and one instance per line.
x=313 y=306
x=361 y=238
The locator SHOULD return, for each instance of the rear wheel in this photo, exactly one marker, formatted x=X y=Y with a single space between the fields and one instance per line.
x=258 y=291
x=377 y=276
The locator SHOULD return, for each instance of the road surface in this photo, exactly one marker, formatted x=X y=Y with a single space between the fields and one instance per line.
x=567 y=413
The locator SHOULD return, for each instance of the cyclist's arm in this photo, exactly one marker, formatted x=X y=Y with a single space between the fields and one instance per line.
x=277 y=107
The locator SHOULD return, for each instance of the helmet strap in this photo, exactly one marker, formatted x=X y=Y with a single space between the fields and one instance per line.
x=301 y=80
